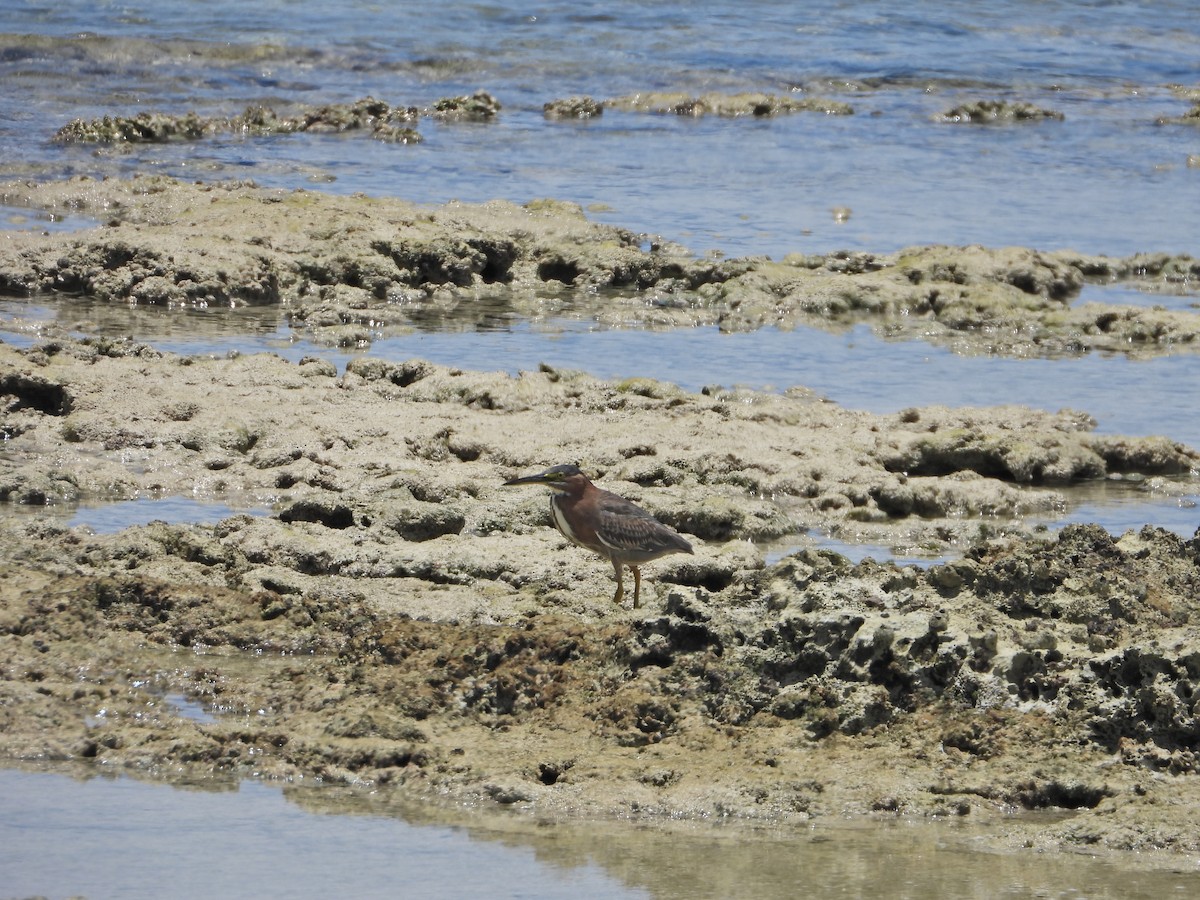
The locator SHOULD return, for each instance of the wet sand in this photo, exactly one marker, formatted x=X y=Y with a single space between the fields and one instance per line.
x=403 y=621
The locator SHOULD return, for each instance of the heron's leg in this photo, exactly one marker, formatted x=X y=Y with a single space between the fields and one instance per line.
x=637 y=586
x=620 y=594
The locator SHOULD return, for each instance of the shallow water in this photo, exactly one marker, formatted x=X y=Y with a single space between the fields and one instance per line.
x=109 y=518
x=1116 y=506
x=855 y=369
x=1105 y=179
x=116 y=837
x=1180 y=299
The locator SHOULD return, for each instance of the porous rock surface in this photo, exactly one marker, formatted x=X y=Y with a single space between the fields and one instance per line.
x=385 y=613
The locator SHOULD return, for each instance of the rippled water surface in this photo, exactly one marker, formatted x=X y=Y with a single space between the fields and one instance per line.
x=1106 y=178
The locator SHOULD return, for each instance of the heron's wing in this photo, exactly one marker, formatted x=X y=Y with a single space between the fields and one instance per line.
x=629 y=530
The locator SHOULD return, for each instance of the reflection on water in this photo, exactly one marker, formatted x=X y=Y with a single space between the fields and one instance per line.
x=855 y=551
x=118 y=837
x=187 y=708
x=209 y=329
x=1122 y=506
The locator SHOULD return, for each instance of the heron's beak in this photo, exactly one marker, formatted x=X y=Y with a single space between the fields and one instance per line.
x=539 y=478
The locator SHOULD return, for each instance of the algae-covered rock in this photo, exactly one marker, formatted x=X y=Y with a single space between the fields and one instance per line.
x=141 y=128
x=479 y=106
x=727 y=105
x=573 y=108
x=992 y=111
x=375 y=116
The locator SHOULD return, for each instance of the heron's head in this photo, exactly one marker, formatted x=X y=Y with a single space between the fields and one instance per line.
x=558 y=478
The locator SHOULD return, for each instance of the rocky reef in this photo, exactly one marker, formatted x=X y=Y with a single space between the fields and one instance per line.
x=388 y=614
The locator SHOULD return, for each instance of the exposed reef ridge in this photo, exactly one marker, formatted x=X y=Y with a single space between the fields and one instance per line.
x=349 y=268
x=383 y=122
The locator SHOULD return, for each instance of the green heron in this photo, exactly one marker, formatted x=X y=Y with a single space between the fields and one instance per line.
x=607 y=524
